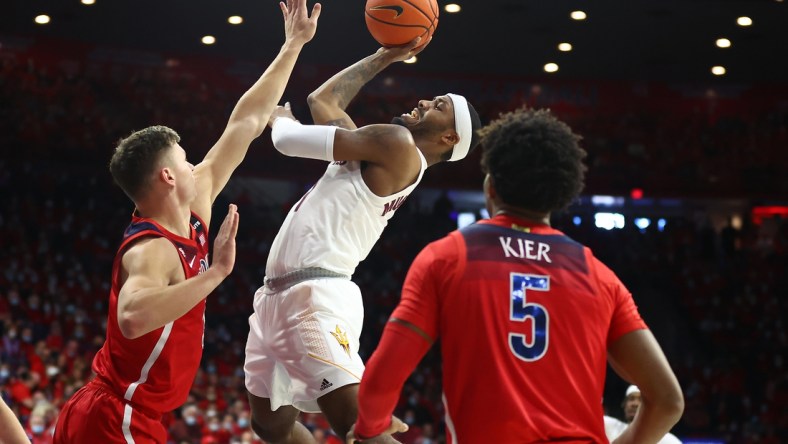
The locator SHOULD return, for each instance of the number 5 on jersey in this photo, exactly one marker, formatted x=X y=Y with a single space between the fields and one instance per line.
x=521 y=310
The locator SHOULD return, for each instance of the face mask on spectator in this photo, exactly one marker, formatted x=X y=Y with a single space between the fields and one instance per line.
x=228 y=426
x=214 y=426
x=52 y=371
x=190 y=420
x=11 y=334
x=211 y=413
x=4 y=373
x=37 y=429
x=243 y=423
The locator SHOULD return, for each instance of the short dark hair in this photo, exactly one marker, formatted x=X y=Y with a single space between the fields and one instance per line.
x=137 y=155
x=476 y=124
x=535 y=160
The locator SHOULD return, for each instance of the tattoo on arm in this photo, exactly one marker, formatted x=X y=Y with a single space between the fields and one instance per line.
x=357 y=76
x=341 y=123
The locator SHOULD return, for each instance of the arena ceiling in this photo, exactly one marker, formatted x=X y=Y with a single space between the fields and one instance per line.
x=670 y=40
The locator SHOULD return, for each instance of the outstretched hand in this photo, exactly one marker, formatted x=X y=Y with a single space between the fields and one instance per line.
x=224 y=245
x=406 y=51
x=299 y=27
x=396 y=426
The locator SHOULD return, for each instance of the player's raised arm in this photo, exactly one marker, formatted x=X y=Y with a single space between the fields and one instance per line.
x=638 y=358
x=328 y=102
x=251 y=113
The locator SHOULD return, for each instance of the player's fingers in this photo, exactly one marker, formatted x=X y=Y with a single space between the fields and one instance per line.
x=419 y=49
x=316 y=11
x=350 y=438
x=234 y=226
x=413 y=43
x=283 y=7
x=397 y=426
x=228 y=221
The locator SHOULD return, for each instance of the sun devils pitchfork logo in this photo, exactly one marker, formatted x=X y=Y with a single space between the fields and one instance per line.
x=341 y=337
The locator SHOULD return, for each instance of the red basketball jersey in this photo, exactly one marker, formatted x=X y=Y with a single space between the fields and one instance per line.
x=155 y=371
x=524 y=316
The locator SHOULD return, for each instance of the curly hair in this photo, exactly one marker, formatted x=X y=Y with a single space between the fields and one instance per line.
x=137 y=156
x=534 y=159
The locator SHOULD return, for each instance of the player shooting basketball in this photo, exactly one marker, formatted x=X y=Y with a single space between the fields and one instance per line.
x=302 y=350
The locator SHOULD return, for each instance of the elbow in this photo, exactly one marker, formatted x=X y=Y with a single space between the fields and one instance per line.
x=676 y=407
x=671 y=405
x=318 y=98
x=130 y=326
x=248 y=127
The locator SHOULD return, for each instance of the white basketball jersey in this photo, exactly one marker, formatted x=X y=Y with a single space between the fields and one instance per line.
x=335 y=224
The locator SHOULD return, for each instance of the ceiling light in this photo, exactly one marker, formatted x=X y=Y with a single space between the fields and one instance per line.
x=42 y=19
x=88 y=2
x=411 y=60
x=718 y=70
x=208 y=40
x=564 y=47
x=551 y=67
x=235 y=20
x=451 y=8
x=578 y=15
x=723 y=43
x=744 y=21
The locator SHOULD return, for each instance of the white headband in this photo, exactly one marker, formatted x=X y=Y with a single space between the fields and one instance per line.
x=632 y=389
x=463 y=126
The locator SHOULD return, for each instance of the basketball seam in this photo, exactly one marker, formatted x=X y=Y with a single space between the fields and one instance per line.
x=422 y=12
x=434 y=12
x=426 y=28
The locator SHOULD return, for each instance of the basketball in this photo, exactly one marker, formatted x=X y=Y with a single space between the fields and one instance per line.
x=397 y=22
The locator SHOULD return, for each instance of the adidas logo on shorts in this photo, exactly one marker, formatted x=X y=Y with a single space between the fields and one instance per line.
x=325 y=384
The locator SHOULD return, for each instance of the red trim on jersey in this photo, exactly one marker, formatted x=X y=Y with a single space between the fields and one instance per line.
x=398 y=353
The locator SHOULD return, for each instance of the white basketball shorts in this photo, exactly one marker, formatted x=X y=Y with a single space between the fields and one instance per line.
x=303 y=342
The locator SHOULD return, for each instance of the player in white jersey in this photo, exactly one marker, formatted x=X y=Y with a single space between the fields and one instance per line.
x=302 y=350
x=615 y=427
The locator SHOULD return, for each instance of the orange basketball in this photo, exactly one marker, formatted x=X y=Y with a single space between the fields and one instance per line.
x=397 y=22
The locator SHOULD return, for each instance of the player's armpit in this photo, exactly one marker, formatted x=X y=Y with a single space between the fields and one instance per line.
x=212 y=174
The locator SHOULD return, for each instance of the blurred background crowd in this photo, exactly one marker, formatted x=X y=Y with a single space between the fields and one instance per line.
x=714 y=293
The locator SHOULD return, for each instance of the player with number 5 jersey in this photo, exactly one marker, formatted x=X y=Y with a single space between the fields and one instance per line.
x=526 y=316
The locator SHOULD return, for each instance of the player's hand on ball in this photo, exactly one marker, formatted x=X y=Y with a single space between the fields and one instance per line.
x=396 y=426
x=404 y=52
x=281 y=111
